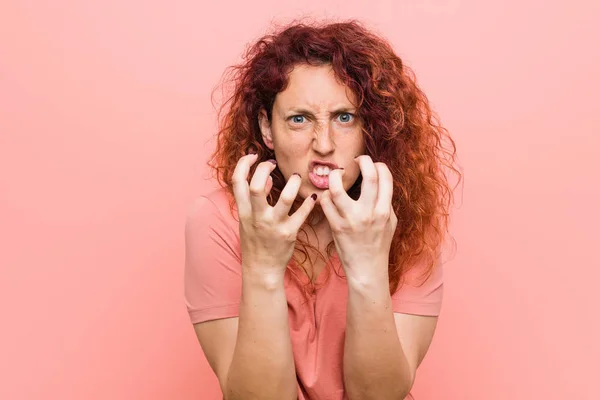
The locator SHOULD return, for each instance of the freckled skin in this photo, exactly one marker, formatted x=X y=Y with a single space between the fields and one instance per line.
x=314 y=118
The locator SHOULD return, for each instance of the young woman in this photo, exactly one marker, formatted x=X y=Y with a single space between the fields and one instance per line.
x=314 y=271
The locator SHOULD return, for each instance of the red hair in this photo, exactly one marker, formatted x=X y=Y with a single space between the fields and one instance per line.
x=399 y=128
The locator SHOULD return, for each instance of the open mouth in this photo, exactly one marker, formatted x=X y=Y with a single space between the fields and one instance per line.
x=319 y=174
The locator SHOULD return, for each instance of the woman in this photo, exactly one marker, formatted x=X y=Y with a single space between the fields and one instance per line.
x=314 y=272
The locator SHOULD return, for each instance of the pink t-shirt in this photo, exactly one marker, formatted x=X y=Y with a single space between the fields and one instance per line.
x=213 y=288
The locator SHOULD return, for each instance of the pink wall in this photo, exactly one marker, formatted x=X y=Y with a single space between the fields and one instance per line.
x=104 y=112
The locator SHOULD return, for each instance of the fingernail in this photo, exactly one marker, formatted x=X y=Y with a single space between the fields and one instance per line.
x=295 y=173
x=272 y=161
x=313 y=196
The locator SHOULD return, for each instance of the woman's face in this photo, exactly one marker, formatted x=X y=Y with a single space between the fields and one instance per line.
x=314 y=129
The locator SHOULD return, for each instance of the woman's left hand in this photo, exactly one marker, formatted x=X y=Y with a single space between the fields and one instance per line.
x=362 y=229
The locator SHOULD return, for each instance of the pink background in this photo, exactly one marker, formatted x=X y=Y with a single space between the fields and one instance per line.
x=104 y=115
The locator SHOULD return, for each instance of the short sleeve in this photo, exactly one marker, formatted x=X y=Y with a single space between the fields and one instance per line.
x=212 y=278
x=418 y=297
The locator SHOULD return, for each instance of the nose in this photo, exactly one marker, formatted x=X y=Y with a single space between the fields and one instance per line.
x=323 y=142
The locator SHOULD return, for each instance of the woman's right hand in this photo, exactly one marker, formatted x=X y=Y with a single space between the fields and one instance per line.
x=267 y=234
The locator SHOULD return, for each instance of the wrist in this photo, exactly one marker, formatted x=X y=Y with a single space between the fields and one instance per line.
x=374 y=273
x=265 y=278
x=369 y=293
x=368 y=282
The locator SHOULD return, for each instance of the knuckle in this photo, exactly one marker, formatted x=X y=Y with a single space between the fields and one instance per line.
x=244 y=216
x=237 y=179
x=287 y=234
x=381 y=216
x=292 y=185
x=256 y=190
x=363 y=220
x=336 y=228
x=245 y=219
x=370 y=178
x=287 y=194
x=286 y=200
x=256 y=224
x=335 y=191
x=382 y=167
x=260 y=223
x=344 y=228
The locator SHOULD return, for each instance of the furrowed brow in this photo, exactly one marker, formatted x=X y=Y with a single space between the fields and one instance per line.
x=339 y=110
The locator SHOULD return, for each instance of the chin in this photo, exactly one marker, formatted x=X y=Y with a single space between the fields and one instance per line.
x=306 y=194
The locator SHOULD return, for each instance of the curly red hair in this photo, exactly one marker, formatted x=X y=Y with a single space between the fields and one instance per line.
x=399 y=126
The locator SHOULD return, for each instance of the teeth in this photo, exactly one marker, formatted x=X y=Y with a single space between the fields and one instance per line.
x=321 y=171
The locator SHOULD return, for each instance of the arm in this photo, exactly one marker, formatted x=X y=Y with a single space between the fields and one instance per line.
x=251 y=355
x=382 y=349
x=262 y=366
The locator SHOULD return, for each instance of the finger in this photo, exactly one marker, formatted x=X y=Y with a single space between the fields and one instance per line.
x=241 y=191
x=368 y=188
x=299 y=216
x=269 y=185
x=393 y=218
x=331 y=212
x=386 y=189
x=268 y=188
x=288 y=196
x=258 y=184
x=340 y=198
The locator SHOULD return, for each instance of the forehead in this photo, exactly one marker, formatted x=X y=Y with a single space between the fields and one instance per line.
x=315 y=87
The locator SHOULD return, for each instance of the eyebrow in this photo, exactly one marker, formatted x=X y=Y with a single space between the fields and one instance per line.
x=301 y=110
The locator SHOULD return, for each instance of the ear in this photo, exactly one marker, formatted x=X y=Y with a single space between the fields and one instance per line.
x=265 y=128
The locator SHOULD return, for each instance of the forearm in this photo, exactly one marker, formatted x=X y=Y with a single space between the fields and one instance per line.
x=262 y=366
x=375 y=366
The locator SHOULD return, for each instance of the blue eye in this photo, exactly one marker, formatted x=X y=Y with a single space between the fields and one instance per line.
x=296 y=117
x=346 y=117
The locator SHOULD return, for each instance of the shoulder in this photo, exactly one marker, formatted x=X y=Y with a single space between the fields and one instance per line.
x=422 y=275
x=421 y=292
x=212 y=209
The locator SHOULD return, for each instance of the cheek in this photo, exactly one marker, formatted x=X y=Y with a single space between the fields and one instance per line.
x=291 y=155
x=351 y=176
x=291 y=145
